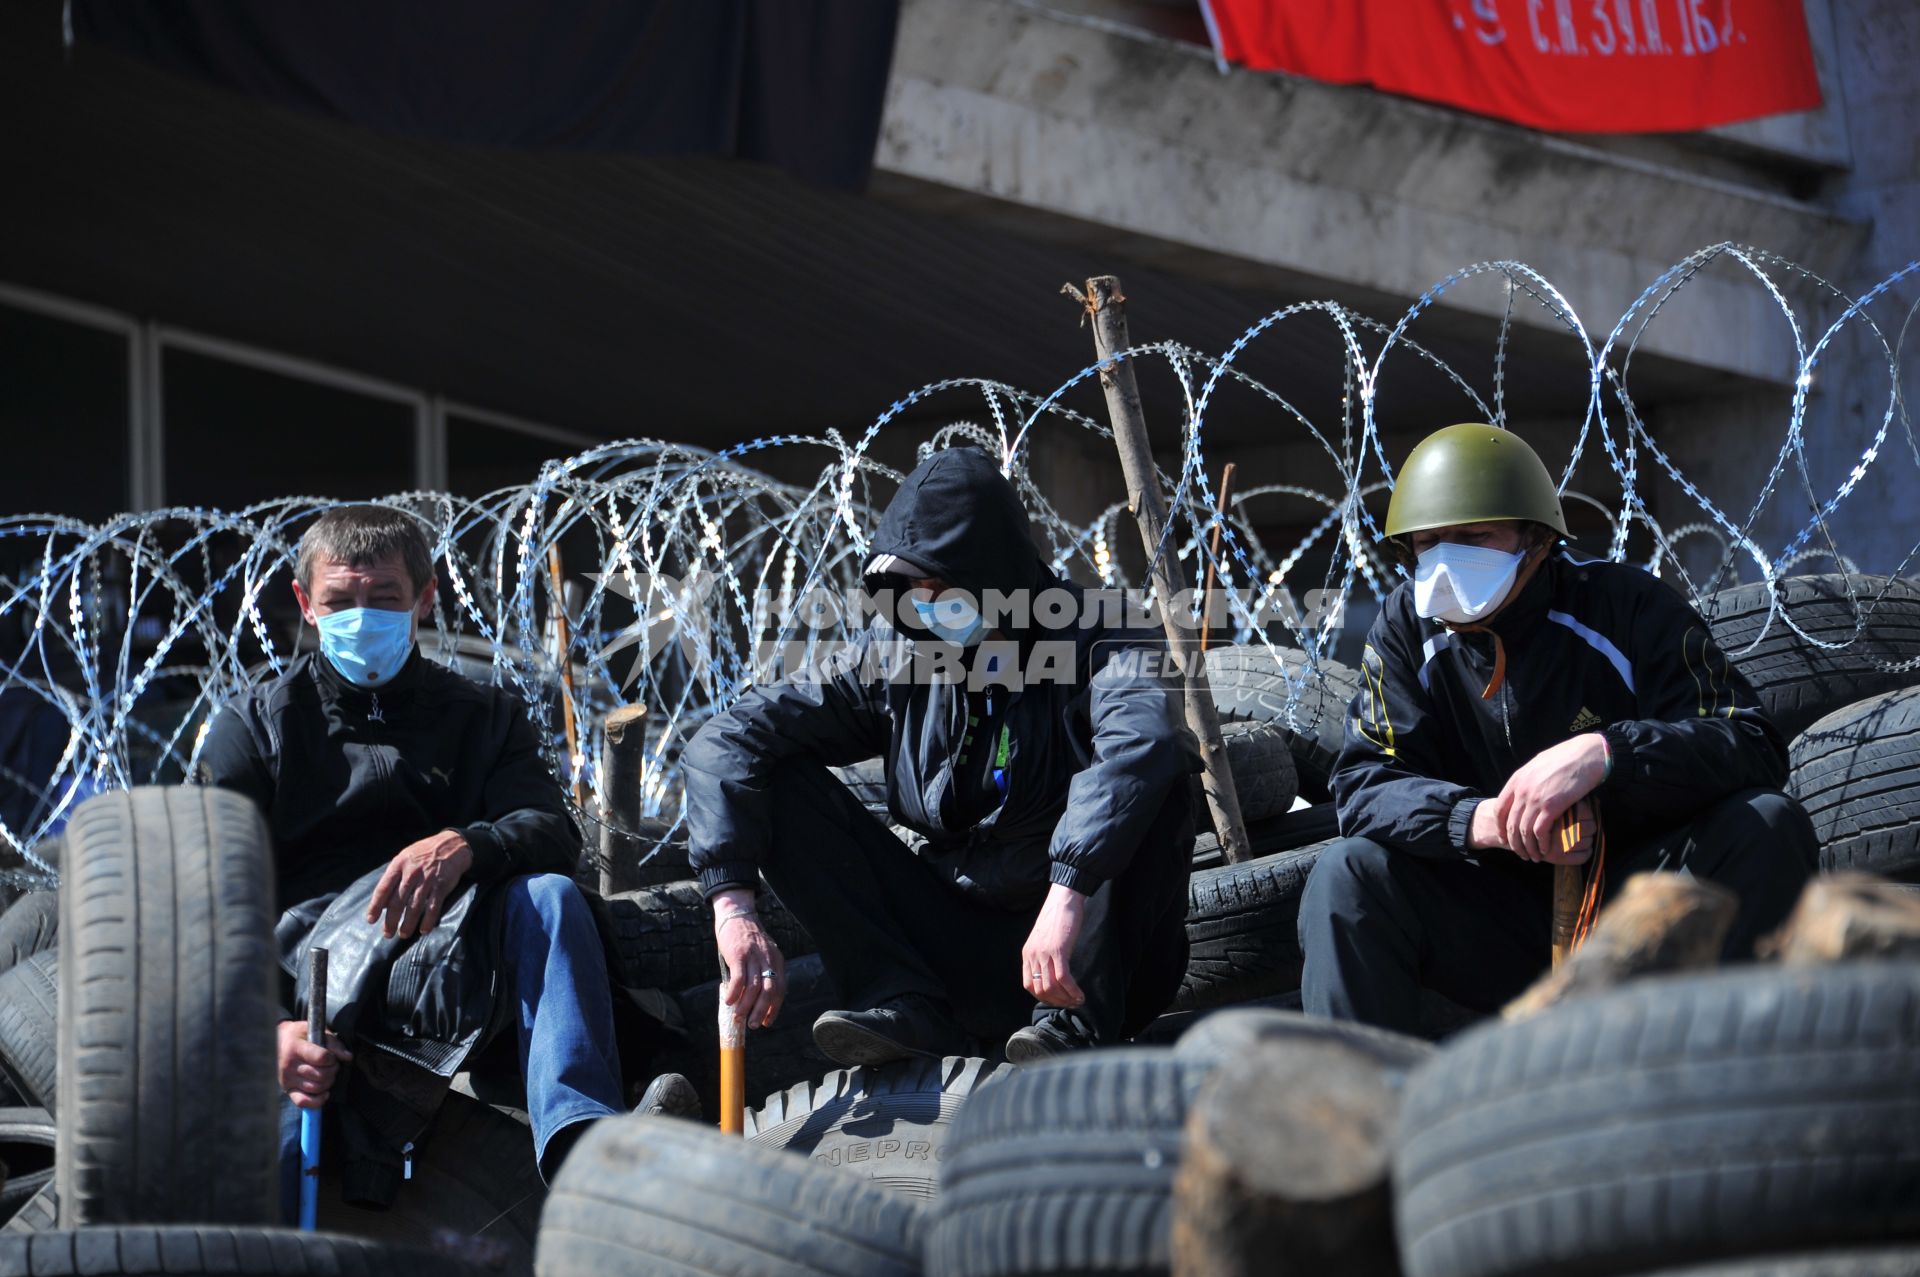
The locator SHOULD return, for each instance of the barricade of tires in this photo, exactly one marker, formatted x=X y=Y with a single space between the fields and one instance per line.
x=1852 y=711
x=1738 y=1122
x=142 y=1134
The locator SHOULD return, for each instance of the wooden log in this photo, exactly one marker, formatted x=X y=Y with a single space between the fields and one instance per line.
x=1107 y=306
x=625 y=754
x=1659 y=922
x=1284 y=1166
x=1846 y=916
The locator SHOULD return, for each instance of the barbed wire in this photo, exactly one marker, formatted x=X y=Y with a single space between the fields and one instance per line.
x=684 y=567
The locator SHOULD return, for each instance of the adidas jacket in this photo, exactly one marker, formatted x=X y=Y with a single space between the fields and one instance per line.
x=1590 y=645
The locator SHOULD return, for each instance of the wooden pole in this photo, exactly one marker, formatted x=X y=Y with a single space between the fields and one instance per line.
x=733 y=1069
x=1213 y=556
x=1569 y=885
x=563 y=639
x=1107 y=306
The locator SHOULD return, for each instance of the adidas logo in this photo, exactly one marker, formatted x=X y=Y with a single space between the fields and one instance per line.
x=1585 y=721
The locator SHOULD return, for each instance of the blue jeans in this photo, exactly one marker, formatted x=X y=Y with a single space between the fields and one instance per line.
x=557 y=973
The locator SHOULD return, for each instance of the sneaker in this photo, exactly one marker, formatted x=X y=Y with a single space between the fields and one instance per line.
x=1050 y=1037
x=905 y=1027
x=669 y=1095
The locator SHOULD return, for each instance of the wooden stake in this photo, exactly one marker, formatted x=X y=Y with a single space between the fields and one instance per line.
x=563 y=639
x=1107 y=306
x=1849 y=917
x=624 y=758
x=1661 y=922
x=1213 y=555
x=1285 y=1165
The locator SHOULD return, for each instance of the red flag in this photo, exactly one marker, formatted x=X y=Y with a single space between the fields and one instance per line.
x=1580 y=66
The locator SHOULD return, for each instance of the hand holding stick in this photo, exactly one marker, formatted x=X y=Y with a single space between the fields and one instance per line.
x=310 y=1118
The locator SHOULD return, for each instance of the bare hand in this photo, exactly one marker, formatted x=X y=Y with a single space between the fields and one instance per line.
x=1045 y=959
x=308 y=1070
x=756 y=981
x=1536 y=796
x=1489 y=824
x=417 y=883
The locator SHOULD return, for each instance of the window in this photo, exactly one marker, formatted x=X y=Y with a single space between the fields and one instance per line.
x=236 y=434
x=63 y=417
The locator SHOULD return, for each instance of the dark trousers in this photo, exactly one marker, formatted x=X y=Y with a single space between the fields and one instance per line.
x=1377 y=926
x=886 y=923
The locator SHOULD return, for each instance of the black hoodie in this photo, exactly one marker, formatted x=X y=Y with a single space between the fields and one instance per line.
x=1095 y=749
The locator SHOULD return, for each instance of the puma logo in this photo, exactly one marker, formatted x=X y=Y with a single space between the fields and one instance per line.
x=1585 y=721
x=446 y=777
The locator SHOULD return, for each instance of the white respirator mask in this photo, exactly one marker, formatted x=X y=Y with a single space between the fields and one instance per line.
x=1462 y=583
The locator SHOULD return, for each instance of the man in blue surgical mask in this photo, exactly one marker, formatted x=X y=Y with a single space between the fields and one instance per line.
x=420 y=838
x=1525 y=707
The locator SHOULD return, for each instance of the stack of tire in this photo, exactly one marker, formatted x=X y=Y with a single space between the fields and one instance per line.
x=145 y=1113
x=1750 y=1122
x=1851 y=710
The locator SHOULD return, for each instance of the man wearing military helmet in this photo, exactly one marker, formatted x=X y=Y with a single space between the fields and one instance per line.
x=1522 y=707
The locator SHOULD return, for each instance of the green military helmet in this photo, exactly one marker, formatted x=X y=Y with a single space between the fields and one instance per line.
x=1472 y=473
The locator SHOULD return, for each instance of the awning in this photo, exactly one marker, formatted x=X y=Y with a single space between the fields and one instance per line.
x=796 y=83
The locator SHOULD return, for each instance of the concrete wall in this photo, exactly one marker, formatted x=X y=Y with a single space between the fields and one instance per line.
x=1141 y=142
x=1096 y=120
x=1729 y=444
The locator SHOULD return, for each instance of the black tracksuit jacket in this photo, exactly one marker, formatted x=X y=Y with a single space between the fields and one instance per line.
x=1094 y=753
x=1590 y=645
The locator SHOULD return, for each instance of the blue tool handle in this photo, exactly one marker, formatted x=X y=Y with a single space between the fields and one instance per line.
x=310 y=1118
x=309 y=1169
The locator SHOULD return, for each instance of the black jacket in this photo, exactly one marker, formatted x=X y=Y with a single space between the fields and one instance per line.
x=1590 y=645
x=346 y=778
x=369 y=772
x=1094 y=752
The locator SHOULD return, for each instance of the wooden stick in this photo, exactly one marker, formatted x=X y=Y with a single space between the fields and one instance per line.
x=563 y=639
x=733 y=1070
x=1107 y=306
x=1569 y=885
x=1213 y=555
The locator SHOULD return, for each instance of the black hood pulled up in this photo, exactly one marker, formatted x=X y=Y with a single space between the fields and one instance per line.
x=959 y=518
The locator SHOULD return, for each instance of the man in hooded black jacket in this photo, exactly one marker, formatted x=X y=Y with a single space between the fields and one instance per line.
x=1034 y=886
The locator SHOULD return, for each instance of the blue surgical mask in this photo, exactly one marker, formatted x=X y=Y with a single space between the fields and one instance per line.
x=368 y=645
x=952 y=618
